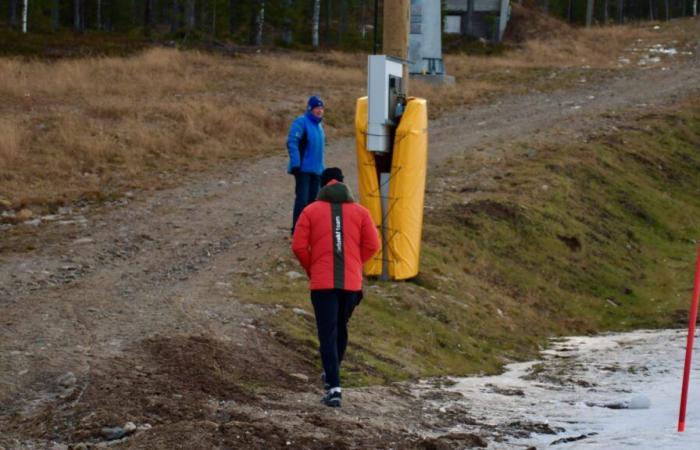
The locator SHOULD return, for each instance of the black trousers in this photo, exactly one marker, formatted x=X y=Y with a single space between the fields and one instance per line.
x=305 y=191
x=333 y=308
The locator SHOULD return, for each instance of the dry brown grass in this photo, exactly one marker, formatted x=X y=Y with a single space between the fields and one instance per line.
x=10 y=138
x=94 y=126
x=597 y=48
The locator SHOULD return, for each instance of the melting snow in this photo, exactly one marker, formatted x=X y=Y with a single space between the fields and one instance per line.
x=613 y=391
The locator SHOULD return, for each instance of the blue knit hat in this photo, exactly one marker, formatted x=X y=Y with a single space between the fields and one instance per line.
x=313 y=102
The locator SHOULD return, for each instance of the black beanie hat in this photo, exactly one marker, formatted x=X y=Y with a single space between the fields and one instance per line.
x=331 y=173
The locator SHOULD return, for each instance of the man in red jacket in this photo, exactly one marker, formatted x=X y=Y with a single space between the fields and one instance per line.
x=333 y=238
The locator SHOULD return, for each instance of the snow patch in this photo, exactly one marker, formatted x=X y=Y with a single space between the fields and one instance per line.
x=605 y=392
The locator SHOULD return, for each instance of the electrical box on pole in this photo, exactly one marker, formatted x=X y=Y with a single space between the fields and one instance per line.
x=386 y=99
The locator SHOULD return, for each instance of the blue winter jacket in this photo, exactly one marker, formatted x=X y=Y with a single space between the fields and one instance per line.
x=305 y=144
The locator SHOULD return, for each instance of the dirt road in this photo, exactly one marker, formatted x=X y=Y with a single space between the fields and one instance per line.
x=129 y=311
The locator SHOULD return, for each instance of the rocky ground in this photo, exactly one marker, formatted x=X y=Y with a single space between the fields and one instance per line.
x=122 y=325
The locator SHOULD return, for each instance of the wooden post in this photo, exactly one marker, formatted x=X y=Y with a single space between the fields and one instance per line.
x=397 y=20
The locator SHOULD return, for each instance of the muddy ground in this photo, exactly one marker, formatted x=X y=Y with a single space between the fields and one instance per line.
x=128 y=311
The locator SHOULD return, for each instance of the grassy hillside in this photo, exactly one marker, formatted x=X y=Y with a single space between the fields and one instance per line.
x=549 y=241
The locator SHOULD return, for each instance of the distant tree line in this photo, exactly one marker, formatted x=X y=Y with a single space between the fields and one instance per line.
x=618 y=11
x=338 y=23
x=345 y=23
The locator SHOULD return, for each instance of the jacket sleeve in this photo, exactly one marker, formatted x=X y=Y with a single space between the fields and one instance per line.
x=300 y=242
x=369 y=243
x=296 y=131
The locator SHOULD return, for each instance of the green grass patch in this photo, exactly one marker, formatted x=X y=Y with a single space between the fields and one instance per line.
x=599 y=236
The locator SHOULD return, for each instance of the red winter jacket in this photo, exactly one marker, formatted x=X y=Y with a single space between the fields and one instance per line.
x=333 y=237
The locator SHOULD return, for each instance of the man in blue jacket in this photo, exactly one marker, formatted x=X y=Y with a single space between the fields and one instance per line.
x=305 y=144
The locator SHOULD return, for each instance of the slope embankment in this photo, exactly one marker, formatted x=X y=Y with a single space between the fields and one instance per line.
x=528 y=240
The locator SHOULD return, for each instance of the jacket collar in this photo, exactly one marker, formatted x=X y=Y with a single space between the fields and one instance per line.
x=313 y=118
x=335 y=192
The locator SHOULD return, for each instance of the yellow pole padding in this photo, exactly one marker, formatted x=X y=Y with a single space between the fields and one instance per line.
x=407 y=191
x=368 y=181
x=404 y=215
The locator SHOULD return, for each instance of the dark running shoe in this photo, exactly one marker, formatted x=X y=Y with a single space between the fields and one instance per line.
x=332 y=399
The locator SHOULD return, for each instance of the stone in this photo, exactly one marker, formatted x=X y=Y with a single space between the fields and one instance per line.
x=300 y=312
x=67 y=380
x=299 y=376
x=572 y=439
x=293 y=275
x=112 y=433
x=24 y=214
x=5 y=204
x=85 y=240
x=129 y=427
x=207 y=425
x=611 y=405
x=467 y=440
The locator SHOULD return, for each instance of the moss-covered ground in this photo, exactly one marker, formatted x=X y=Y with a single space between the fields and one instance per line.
x=539 y=242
